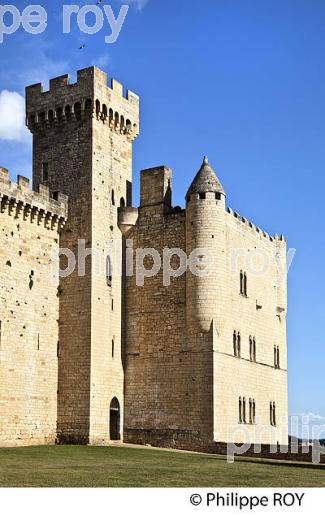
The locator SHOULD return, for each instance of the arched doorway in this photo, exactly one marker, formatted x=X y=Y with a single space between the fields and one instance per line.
x=114 y=420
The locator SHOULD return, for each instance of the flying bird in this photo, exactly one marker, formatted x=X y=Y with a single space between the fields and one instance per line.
x=82 y=46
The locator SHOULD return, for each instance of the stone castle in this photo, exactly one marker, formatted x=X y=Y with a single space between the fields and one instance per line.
x=96 y=357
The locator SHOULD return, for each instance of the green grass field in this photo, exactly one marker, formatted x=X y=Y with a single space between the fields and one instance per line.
x=82 y=466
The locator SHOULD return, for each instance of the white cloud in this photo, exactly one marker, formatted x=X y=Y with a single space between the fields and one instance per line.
x=12 y=116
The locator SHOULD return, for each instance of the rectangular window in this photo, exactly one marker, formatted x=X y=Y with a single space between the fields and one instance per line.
x=45 y=172
x=244 y=410
x=237 y=343
x=128 y=193
x=245 y=284
x=272 y=414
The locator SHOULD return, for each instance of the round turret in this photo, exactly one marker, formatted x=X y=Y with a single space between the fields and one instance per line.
x=205 y=231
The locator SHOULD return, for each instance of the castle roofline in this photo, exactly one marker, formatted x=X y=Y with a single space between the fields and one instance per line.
x=205 y=180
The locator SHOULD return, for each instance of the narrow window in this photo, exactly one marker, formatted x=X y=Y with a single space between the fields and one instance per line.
x=31 y=280
x=238 y=344
x=250 y=348
x=113 y=348
x=240 y=411
x=278 y=357
x=112 y=304
x=241 y=279
x=113 y=198
x=250 y=411
x=128 y=193
x=244 y=410
x=234 y=339
x=122 y=203
x=245 y=284
x=254 y=349
x=254 y=410
x=45 y=172
x=273 y=415
x=108 y=272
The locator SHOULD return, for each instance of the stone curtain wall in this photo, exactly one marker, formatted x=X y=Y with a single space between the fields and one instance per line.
x=29 y=313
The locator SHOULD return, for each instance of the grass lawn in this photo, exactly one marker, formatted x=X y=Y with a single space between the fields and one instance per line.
x=83 y=466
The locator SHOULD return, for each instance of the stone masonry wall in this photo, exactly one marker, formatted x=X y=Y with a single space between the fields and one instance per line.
x=260 y=315
x=29 y=312
x=156 y=396
x=113 y=135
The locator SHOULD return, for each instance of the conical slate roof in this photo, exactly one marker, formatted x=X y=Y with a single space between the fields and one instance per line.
x=205 y=180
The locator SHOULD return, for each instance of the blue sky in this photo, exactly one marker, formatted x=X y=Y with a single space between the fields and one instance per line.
x=240 y=80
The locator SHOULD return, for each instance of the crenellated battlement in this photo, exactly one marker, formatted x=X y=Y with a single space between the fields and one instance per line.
x=254 y=228
x=21 y=202
x=91 y=97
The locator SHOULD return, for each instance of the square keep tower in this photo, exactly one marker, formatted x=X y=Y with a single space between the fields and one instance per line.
x=82 y=146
